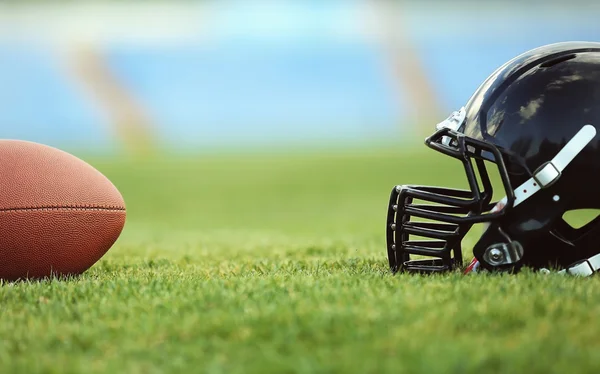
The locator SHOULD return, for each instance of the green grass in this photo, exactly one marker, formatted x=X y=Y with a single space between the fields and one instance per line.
x=276 y=264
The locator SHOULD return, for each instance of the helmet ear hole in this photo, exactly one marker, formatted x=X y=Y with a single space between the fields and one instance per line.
x=578 y=218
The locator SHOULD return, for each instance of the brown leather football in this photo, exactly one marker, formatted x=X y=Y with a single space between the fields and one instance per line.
x=58 y=214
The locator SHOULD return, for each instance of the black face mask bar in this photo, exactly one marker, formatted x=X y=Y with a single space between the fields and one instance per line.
x=453 y=211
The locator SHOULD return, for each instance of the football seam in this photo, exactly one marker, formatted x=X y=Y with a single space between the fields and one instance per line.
x=67 y=207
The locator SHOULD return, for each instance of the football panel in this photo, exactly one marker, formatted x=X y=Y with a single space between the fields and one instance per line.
x=38 y=243
x=36 y=175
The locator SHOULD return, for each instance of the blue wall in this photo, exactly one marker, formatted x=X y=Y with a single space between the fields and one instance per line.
x=461 y=49
x=261 y=91
x=39 y=102
x=308 y=84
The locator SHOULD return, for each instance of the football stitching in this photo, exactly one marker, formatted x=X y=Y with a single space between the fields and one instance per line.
x=74 y=207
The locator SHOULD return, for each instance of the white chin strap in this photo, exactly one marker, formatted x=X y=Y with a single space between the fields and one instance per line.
x=583 y=268
x=549 y=172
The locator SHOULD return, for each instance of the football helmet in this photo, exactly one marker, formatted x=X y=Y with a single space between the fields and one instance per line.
x=536 y=119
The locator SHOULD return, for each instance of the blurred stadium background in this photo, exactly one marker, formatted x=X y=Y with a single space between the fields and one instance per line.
x=104 y=76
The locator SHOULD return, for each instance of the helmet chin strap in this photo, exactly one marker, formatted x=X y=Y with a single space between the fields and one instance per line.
x=549 y=172
x=545 y=176
x=583 y=268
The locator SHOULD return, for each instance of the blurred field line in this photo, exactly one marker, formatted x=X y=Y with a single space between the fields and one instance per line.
x=406 y=66
x=127 y=115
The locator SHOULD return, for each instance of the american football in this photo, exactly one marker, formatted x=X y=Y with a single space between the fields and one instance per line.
x=58 y=215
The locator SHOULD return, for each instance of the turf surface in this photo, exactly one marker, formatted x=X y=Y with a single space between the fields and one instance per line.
x=276 y=263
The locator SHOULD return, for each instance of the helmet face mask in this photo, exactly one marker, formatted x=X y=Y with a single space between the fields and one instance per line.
x=455 y=210
x=532 y=152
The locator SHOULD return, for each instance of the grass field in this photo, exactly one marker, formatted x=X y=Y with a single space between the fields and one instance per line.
x=276 y=264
